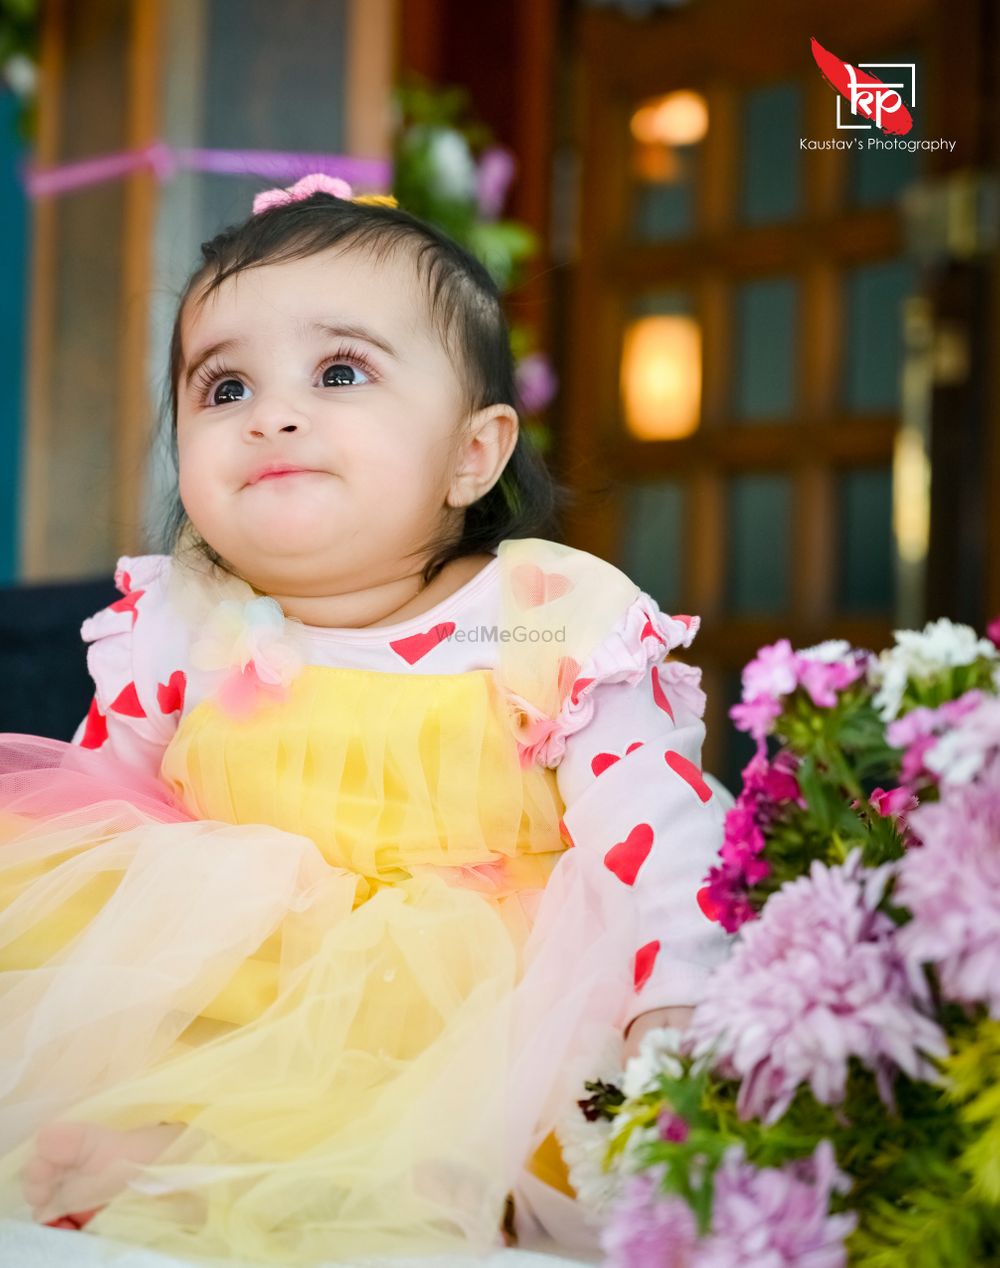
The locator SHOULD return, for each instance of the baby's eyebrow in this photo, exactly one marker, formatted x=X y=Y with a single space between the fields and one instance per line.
x=351 y=330
x=213 y=350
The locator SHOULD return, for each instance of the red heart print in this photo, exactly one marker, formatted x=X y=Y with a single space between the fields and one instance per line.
x=649 y=632
x=645 y=958
x=127 y=703
x=578 y=686
x=659 y=695
x=532 y=587
x=626 y=857
x=688 y=772
x=170 y=694
x=710 y=908
x=128 y=604
x=95 y=731
x=418 y=645
x=684 y=619
x=601 y=761
x=124 y=583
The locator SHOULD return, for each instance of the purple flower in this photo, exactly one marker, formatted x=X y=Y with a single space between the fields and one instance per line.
x=766 y=788
x=771 y=1218
x=823 y=680
x=756 y=717
x=777 y=671
x=494 y=173
x=774 y=672
x=648 y=1228
x=818 y=978
x=890 y=802
x=951 y=884
x=993 y=631
x=536 y=382
x=671 y=1126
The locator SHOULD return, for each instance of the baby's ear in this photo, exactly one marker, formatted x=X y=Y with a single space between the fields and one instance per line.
x=486 y=443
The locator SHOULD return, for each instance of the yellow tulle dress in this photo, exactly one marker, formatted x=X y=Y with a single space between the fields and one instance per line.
x=341 y=940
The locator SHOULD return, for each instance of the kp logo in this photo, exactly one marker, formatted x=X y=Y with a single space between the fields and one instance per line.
x=878 y=101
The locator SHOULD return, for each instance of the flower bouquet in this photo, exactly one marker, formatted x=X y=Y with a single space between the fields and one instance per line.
x=836 y=1098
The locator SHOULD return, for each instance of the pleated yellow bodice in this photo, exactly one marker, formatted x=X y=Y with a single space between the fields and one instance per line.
x=385 y=772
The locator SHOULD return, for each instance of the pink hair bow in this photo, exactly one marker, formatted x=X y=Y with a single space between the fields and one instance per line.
x=315 y=183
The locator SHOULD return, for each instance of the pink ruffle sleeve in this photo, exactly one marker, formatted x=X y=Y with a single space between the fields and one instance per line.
x=626 y=743
x=139 y=686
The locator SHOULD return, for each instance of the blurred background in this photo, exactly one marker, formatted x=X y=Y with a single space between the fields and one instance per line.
x=770 y=371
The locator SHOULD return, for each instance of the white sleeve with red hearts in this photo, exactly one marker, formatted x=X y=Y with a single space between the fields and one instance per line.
x=139 y=678
x=631 y=780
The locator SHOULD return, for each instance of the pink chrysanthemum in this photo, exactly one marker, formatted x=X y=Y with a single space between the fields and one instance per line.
x=816 y=980
x=770 y=1218
x=952 y=887
x=649 y=1229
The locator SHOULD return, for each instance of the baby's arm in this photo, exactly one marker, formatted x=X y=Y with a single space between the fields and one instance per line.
x=137 y=698
x=631 y=783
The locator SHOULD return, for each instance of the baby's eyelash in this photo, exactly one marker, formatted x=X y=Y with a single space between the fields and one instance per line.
x=207 y=377
x=354 y=355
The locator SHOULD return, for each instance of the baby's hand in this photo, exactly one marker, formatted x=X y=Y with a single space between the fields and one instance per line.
x=678 y=1015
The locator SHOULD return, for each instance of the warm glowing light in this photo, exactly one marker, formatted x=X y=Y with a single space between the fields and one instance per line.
x=661 y=377
x=678 y=118
x=911 y=500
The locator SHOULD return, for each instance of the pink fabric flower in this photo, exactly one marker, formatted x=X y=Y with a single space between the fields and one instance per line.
x=315 y=183
x=253 y=649
x=770 y=1217
x=648 y=1228
x=951 y=885
x=816 y=979
x=642 y=637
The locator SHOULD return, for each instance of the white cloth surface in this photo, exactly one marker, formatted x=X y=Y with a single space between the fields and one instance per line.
x=24 y=1245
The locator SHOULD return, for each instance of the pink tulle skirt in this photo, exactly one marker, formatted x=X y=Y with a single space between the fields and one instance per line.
x=376 y=1084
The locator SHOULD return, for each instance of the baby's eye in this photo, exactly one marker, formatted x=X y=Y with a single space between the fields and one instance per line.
x=227 y=391
x=342 y=374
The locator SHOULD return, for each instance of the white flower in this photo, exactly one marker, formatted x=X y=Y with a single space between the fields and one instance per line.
x=21 y=75
x=961 y=753
x=658 y=1054
x=833 y=651
x=585 y=1143
x=923 y=654
x=453 y=164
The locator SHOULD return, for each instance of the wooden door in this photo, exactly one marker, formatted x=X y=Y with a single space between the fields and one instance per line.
x=737 y=320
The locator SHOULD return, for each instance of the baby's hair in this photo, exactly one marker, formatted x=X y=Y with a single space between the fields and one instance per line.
x=466 y=311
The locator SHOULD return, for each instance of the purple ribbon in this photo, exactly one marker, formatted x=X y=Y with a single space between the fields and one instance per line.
x=374 y=175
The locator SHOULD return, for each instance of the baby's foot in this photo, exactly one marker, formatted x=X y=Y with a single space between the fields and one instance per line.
x=78 y=1167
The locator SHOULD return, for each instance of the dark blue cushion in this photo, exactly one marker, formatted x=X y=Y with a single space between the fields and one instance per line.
x=45 y=688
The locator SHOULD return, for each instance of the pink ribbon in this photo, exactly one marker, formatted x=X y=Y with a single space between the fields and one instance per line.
x=165 y=160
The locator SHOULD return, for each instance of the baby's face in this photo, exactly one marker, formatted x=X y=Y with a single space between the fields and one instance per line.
x=330 y=365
